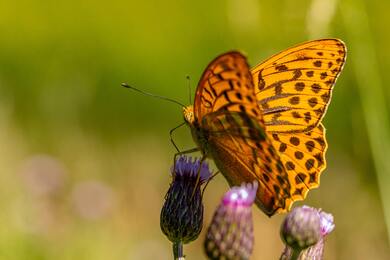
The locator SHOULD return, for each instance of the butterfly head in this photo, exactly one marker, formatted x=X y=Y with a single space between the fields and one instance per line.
x=188 y=113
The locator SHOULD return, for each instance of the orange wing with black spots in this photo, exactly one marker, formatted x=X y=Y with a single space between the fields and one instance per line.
x=303 y=157
x=228 y=127
x=294 y=87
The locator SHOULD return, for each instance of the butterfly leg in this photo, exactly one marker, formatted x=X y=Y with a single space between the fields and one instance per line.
x=193 y=150
x=170 y=135
x=207 y=183
x=198 y=174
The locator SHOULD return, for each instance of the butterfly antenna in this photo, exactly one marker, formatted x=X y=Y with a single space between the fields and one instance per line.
x=152 y=95
x=189 y=87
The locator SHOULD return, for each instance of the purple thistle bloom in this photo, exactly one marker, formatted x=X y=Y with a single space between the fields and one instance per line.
x=181 y=217
x=230 y=234
x=303 y=231
x=327 y=224
x=188 y=169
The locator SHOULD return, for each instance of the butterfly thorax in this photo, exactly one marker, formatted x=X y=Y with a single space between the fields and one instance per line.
x=200 y=136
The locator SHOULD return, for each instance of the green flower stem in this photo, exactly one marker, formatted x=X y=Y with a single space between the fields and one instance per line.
x=295 y=254
x=290 y=254
x=178 y=251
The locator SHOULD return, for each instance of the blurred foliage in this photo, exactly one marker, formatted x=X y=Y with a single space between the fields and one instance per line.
x=85 y=162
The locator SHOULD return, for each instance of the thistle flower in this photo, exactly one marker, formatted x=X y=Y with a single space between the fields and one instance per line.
x=301 y=228
x=182 y=214
x=327 y=223
x=230 y=234
x=303 y=231
x=316 y=251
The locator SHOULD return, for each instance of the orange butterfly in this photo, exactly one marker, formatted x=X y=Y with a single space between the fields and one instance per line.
x=264 y=124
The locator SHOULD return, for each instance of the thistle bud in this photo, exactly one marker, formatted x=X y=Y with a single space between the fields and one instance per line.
x=301 y=228
x=303 y=231
x=182 y=214
x=230 y=234
x=316 y=251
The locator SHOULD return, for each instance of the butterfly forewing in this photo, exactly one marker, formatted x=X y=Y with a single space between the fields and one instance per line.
x=294 y=87
x=226 y=84
x=227 y=111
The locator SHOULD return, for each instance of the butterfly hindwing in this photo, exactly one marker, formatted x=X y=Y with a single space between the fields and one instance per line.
x=303 y=157
x=243 y=153
x=294 y=87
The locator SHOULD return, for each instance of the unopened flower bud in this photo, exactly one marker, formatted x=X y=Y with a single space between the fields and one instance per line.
x=303 y=231
x=230 y=234
x=301 y=228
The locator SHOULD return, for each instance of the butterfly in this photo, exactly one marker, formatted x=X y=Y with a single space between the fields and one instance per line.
x=264 y=123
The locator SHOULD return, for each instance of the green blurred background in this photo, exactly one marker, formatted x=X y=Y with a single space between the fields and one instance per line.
x=85 y=163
